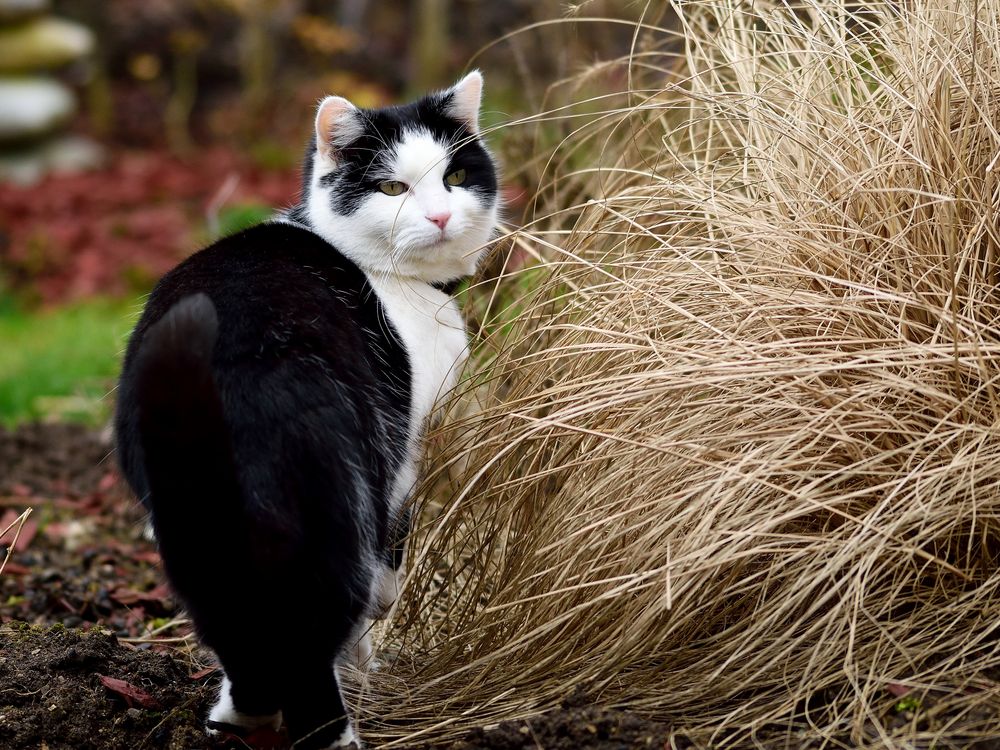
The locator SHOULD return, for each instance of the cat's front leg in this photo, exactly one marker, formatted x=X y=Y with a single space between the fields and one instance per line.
x=361 y=653
x=392 y=570
x=388 y=582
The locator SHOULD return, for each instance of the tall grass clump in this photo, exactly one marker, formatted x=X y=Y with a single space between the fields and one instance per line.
x=731 y=459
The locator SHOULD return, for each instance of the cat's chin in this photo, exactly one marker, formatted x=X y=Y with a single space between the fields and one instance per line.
x=444 y=262
x=438 y=261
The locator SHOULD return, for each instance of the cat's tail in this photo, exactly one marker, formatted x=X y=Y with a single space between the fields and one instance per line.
x=184 y=437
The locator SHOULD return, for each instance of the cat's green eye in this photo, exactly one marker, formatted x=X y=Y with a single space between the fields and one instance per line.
x=456 y=178
x=392 y=187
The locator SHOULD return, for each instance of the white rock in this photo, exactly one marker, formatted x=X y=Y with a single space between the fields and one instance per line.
x=43 y=43
x=26 y=166
x=32 y=107
x=22 y=167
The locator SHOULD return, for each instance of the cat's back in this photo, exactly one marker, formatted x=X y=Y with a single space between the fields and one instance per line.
x=302 y=343
x=288 y=303
x=264 y=281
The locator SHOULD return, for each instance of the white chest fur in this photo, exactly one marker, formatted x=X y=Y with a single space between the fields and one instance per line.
x=433 y=333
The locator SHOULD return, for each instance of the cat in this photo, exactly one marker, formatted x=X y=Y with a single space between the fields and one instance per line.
x=274 y=393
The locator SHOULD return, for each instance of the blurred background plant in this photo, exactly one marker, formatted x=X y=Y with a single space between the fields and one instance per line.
x=148 y=127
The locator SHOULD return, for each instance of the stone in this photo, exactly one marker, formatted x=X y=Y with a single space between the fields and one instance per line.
x=32 y=107
x=42 y=44
x=13 y=11
x=72 y=154
x=23 y=167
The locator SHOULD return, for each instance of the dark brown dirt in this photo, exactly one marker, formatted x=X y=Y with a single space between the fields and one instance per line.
x=575 y=729
x=52 y=694
x=81 y=559
x=52 y=460
x=81 y=562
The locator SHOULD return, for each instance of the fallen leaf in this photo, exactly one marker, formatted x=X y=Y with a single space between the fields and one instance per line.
x=28 y=532
x=159 y=594
x=133 y=696
x=203 y=672
x=147 y=556
x=897 y=690
x=126 y=596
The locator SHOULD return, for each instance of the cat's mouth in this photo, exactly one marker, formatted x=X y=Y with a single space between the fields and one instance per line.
x=438 y=240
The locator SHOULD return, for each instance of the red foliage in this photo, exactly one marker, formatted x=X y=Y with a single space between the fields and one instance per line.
x=106 y=231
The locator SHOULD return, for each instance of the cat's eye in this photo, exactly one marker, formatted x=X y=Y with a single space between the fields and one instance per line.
x=456 y=178
x=392 y=187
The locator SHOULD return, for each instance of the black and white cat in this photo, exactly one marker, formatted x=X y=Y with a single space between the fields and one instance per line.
x=273 y=397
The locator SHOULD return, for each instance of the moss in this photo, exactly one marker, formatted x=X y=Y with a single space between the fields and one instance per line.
x=19 y=631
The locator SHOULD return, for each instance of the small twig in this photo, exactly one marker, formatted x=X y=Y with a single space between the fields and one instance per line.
x=147 y=639
x=222 y=195
x=19 y=522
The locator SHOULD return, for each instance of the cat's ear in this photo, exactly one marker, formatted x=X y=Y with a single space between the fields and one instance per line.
x=464 y=99
x=338 y=122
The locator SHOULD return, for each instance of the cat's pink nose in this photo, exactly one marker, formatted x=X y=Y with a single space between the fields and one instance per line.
x=439 y=219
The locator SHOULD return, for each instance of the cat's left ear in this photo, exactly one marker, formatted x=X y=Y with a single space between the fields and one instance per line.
x=464 y=99
x=338 y=122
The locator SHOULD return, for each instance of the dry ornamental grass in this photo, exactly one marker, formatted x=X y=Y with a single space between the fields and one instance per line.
x=727 y=453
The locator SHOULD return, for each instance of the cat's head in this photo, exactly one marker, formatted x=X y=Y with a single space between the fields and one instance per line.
x=409 y=190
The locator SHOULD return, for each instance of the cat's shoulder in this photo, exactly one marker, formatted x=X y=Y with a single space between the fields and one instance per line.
x=270 y=256
x=257 y=272
x=272 y=243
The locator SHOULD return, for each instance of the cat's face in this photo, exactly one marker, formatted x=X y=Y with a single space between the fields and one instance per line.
x=409 y=190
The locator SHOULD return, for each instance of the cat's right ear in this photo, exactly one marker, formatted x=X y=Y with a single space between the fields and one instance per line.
x=338 y=122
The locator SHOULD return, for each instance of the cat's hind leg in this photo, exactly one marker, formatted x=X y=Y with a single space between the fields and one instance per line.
x=244 y=707
x=314 y=710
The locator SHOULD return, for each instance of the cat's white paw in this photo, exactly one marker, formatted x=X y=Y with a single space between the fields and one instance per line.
x=225 y=713
x=347 y=739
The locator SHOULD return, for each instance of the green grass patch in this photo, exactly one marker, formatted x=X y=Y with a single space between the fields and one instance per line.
x=233 y=219
x=62 y=363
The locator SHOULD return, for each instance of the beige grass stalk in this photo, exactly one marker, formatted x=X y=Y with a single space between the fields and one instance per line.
x=735 y=462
